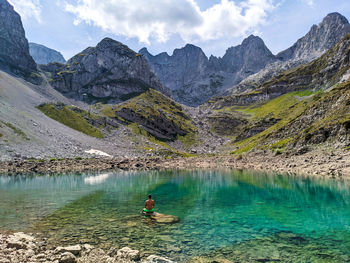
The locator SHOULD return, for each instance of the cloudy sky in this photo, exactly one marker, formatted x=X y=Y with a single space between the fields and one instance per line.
x=70 y=26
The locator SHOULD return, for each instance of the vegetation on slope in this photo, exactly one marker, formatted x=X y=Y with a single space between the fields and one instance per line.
x=305 y=120
x=72 y=117
x=320 y=74
x=157 y=114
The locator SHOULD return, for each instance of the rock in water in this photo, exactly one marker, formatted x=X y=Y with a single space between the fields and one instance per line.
x=165 y=219
x=45 y=55
x=109 y=72
x=157 y=259
x=14 y=49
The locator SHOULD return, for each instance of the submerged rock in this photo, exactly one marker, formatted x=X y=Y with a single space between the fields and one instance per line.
x=165 y=219
x=157 y=259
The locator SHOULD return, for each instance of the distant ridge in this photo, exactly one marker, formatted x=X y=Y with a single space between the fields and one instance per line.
x=44 y=55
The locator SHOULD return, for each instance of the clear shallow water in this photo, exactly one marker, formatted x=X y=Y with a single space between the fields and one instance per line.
x=234 y=215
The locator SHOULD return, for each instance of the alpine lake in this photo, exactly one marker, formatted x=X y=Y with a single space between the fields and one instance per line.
x=242 y=216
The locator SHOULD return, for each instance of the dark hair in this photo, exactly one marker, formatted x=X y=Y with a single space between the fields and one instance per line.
x=149 y=196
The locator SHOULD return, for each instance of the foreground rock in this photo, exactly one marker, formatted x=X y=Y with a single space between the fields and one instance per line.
x=20 y=247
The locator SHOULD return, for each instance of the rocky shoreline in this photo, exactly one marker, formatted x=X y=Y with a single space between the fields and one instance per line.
x=20 y=247
x=332 y=164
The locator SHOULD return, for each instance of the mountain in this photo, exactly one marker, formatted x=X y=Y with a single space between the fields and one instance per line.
x=298 y=109
x=109 y=72
x=247 y=58
x=14 y=49
x=316 y=42
x=193 y=78
x=45 y=55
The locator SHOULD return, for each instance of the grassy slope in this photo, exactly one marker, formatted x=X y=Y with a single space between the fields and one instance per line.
x=150 y=105
x=68 y=117
x=300 y=118
x=153 y=103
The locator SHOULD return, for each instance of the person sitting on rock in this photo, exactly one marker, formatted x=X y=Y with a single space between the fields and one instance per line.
x=149 y=206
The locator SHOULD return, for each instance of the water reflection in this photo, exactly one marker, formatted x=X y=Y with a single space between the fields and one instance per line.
x=96 y=179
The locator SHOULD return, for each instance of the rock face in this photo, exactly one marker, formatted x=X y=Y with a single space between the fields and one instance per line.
x=45 y=55
x=320 y=74
x=247 y=58
x=193 y=78
x=109 y=72
x=316 y=42
x=14 y=49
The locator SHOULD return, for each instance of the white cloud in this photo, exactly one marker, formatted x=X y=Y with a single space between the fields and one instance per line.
x=310 y=3
x=28 y=8
x=159 y=19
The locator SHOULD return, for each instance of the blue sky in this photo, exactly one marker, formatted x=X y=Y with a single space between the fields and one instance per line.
x=70 y=26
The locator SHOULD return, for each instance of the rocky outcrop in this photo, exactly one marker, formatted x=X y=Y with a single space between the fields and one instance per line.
x=14 y=49
x=194 y=79
x=158 y=115
x=109 y=72
x=45 y=55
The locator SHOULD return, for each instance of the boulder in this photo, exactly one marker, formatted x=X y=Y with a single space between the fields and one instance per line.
x=165 y=219
x=72 y=249
x=157 y=259
x=128 y=254
x=67 y=257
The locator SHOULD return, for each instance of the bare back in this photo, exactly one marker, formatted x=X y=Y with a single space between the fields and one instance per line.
x=149 y=205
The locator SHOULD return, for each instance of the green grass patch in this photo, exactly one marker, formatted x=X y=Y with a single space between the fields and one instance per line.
x=70 y=118
x=286 y=108
x=279 y=107
x=281 y=144
x=188 y=140
x=108 y=111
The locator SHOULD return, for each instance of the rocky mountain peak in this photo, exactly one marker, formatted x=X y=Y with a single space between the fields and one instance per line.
x=318 y=40
x=109 y=44
x=109 y=72
x=189 y=50
x=334 y=18
x=14 y=48
x=251 y=56
x=253 y=40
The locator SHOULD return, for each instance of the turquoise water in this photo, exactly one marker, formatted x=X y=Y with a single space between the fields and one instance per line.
x=237 y=215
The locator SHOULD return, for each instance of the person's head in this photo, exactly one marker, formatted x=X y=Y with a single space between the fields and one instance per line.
x=149 y=196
